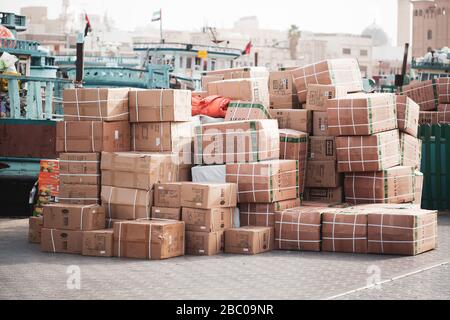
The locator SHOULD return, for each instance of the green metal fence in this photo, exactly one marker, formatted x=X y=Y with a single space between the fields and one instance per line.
x=436 y=166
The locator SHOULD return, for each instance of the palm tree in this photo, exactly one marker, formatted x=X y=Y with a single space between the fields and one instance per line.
x=293 y=36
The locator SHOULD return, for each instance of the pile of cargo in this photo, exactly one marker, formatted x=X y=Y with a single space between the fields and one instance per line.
x=303 y=161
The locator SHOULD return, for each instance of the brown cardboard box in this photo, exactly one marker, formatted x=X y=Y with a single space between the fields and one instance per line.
x=362 y=114
x=185 y=172
x=74 y=217
x=35 y=225
x=168 y=195
x=338 y=72
x=300 y=120
x=79 y=168
x=204 y=244
x=407 y=115
x=368 y=153
x=318 y=95
x=208 y=220
x=160 y=105
x=434 y=117
x=344 y=230
x=126 y=204
x=325 y=195
x=418 y=184
x=249 y=240
x=237 y=142
x=394 y=185
x=151 y=240
x=410 y=151
x=424 y=93
x=109 y=222
x=320 y=124
x=322 y=174
x=61 y=241
x=166 y=213
x=240 y=73
x=98 y=243
x=254 y=89
x=161 y=137
x=406 y=230
x=263 y=214
x=138 y=170
x=211 y=78
x=322 y=148
x=283 y=94
x=294 y=146
x=246 y=110
x=96 y=104
x=208 y=195
x=298 y=229
x=92 y=136
x=81 y=194
x=443 y=86
x=265 y=182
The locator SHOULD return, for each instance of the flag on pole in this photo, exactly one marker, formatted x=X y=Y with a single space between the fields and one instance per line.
x=156 y=15
x=247 y=49
x=88 y=27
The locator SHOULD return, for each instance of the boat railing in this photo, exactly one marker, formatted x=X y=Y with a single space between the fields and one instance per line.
x=430 y=65
x=32 y=98
x=18 y=46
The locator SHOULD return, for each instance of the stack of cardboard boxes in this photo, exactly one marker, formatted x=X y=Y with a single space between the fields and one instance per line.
x=48 y=185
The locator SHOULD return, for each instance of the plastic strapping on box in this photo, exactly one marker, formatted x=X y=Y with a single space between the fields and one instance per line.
x=78 y=105
x=99 y=105
x=253 y=182
x=354 y=233
x=381 y=233
x=65 y=136
x=150 y=242
x=353 y=115
x=147 y=207
x=81 y=218
x=134 y=203
x=334 y=226
x=92 y=136
x=109 y=202
x=233 y=117
x=237 y=180
x=161 y=132
x=338 y=117
x=137 y=107
x=362 y=155
x=120 y=240
x=53 y=240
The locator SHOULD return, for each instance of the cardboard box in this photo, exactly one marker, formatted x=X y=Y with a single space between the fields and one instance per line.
x=362 y=114
x=166 y=213
x=344 y=230
x=160 y=105
x=61 y=241
x=418 y=185
x=434 y=117
x=339 y=72
x=424 y=93
x=204 y=244
x=368 y=153
x=161 y=137
x=254 y=89
x=237 y=142
x=300 y=120
x=322 y=174
x=98 y=243
x=95 y=104
x=151 y=240
x=324 y=195
x=109 y=222
x=126 y=204
x=208 y=195
x=249 y=240
x=408 y=115
x=206 y=174
x=92 y=136
x=298 y=229
x=239 y=73
x=443 y=86
x=394 y=185
x=265 y=182
x=320 y=124
x=168 y=195
x=410 y=151
x=81 y=194
x=406 y=230
x=208 y=220
x=294 y=146
x=211 y=78
x=283 y=94
x=322 y=148
x=263 y=214
x=133 y=170
x=318 y=95
x=74 y=217
x=185 y=173
x=246 y=110
x=35 y=225
x=80 y=168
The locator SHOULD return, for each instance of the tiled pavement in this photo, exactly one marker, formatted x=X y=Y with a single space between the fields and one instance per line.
x=26 y=273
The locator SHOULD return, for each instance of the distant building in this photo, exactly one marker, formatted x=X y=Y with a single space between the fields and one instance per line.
x=404 y=18
x=431 y=26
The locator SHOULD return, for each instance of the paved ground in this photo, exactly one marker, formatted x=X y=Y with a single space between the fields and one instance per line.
x=26 y=273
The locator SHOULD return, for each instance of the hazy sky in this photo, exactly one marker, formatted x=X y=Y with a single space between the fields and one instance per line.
x=350 y=16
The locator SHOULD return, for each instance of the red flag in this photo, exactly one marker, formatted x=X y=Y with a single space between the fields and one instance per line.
x=247 y=49
x=88 y=27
